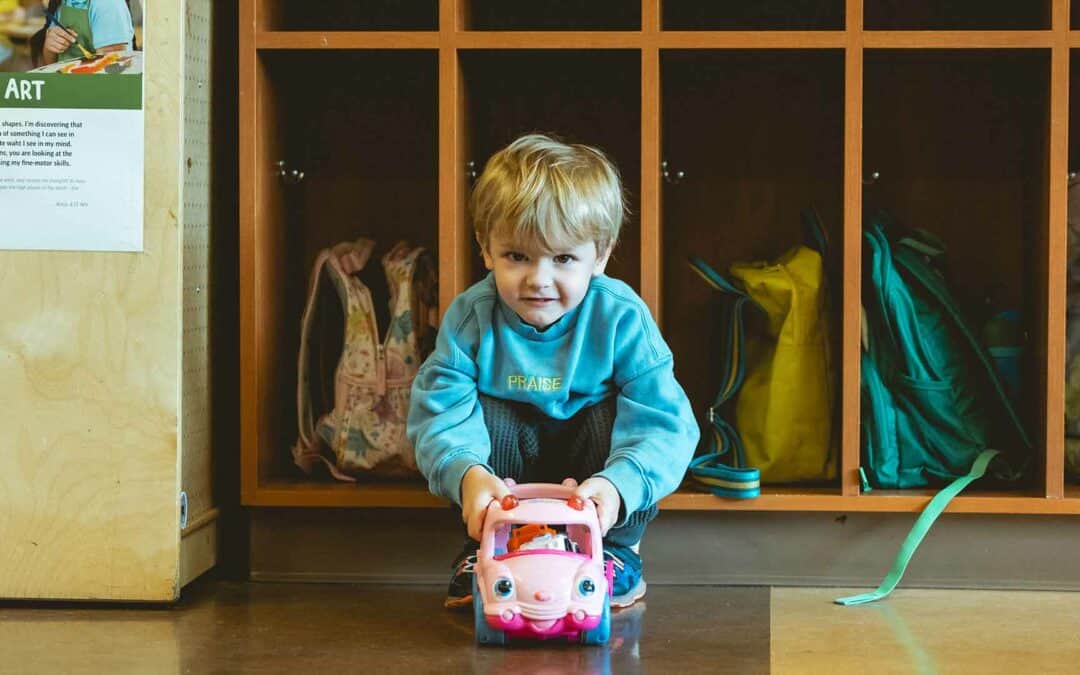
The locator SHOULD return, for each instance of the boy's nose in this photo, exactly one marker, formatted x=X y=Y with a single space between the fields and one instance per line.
x=539 y=277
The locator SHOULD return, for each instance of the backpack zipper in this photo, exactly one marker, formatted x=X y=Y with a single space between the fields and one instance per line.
x=380 y=370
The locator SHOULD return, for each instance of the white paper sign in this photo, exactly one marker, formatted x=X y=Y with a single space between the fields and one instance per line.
x=71 y=179
x=71 y=154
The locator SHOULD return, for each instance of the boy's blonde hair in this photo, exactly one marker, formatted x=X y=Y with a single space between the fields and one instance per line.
x=543 y=192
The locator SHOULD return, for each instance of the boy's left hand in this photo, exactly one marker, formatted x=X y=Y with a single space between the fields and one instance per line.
x=607 y=499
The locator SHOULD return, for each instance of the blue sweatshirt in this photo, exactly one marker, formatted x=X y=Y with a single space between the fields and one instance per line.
x=607 y=345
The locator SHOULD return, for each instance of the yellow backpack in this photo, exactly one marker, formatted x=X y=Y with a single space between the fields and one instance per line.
x=777 y=369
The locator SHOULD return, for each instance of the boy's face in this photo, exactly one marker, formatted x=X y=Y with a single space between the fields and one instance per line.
x=542 y=286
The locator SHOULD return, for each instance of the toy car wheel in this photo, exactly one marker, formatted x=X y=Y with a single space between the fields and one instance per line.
x=485 y=634
x=600 y=634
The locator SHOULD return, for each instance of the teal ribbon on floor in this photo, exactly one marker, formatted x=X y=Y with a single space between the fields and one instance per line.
x=918 y=531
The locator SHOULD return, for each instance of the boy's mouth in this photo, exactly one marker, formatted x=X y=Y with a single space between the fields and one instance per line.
x=538 y=301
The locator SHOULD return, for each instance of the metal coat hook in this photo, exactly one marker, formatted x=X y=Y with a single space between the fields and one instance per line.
x=289 y=176
x=470 y=171
x=668 y=177
x=874 y=177
x=1072 y=174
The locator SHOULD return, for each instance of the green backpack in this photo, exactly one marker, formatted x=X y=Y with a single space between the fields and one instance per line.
x=932 y=403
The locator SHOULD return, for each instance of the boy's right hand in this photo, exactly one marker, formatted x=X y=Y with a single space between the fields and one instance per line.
x=478 y=489
x=57 y=41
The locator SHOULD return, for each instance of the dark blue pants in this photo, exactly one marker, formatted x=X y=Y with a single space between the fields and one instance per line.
x=530 y=447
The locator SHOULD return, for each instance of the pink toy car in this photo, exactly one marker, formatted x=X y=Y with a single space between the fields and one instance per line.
x=554 y=585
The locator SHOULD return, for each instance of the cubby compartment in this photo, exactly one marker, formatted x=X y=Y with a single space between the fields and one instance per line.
x=753 y=15
x=357 y=132
x=349 y=15
x=758 y=136
x=955 y=142
x=956 y=15
x=552 y=15
x=592 y=98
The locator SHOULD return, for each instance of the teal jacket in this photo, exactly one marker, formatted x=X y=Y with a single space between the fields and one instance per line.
x=608 y=345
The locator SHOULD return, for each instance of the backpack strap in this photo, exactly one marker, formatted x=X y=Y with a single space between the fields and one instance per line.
x=918 y=531
x=734 y=480
x=349 y=258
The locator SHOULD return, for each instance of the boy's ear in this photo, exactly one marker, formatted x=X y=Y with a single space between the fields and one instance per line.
x=602 y=261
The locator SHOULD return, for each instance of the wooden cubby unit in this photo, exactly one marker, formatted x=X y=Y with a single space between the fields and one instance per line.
x=962 y=108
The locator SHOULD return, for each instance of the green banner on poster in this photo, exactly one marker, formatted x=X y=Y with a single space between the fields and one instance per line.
x=60 y=90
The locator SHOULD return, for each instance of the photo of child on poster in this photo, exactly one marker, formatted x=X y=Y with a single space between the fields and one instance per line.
x=105 y=36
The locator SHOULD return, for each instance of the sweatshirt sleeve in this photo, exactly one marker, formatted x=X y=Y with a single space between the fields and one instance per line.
x=446 y=424
x=654 y=434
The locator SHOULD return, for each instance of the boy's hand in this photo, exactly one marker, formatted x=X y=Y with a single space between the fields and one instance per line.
x=607 y=499
x=478 y=488
x=57 y=41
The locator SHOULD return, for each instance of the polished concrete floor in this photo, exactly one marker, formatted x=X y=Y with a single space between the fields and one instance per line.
x=230 y=627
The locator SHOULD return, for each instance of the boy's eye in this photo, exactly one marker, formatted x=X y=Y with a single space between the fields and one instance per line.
x=564 y=258
x=515 y=256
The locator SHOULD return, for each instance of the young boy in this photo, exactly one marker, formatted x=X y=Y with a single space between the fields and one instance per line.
x=547 y=368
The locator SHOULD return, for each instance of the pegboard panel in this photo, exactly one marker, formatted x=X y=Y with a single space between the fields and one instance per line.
x=197 y=469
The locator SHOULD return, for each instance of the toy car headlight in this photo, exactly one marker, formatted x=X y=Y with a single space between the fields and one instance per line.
x=503 y=588
x=586 y=587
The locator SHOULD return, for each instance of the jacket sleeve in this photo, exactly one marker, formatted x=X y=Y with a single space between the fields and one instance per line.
x=446 y=424
x=654 y=433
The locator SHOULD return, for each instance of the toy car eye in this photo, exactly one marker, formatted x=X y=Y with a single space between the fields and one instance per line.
x=586 y=587
x=504 y=587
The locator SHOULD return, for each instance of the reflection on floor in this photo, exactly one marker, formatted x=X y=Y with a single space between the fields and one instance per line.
x=926 y=631
x=229 y=627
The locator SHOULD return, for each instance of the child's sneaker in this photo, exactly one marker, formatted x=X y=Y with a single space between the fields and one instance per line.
x=629 y=585
x=459 y=593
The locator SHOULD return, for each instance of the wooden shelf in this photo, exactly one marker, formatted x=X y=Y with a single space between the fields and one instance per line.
x=824 y=39
x=883 y=39
x=687 y=498
x=968 y=39
x=548 y=40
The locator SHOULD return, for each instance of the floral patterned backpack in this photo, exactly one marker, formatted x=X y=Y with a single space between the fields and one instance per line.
x=363 y=433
